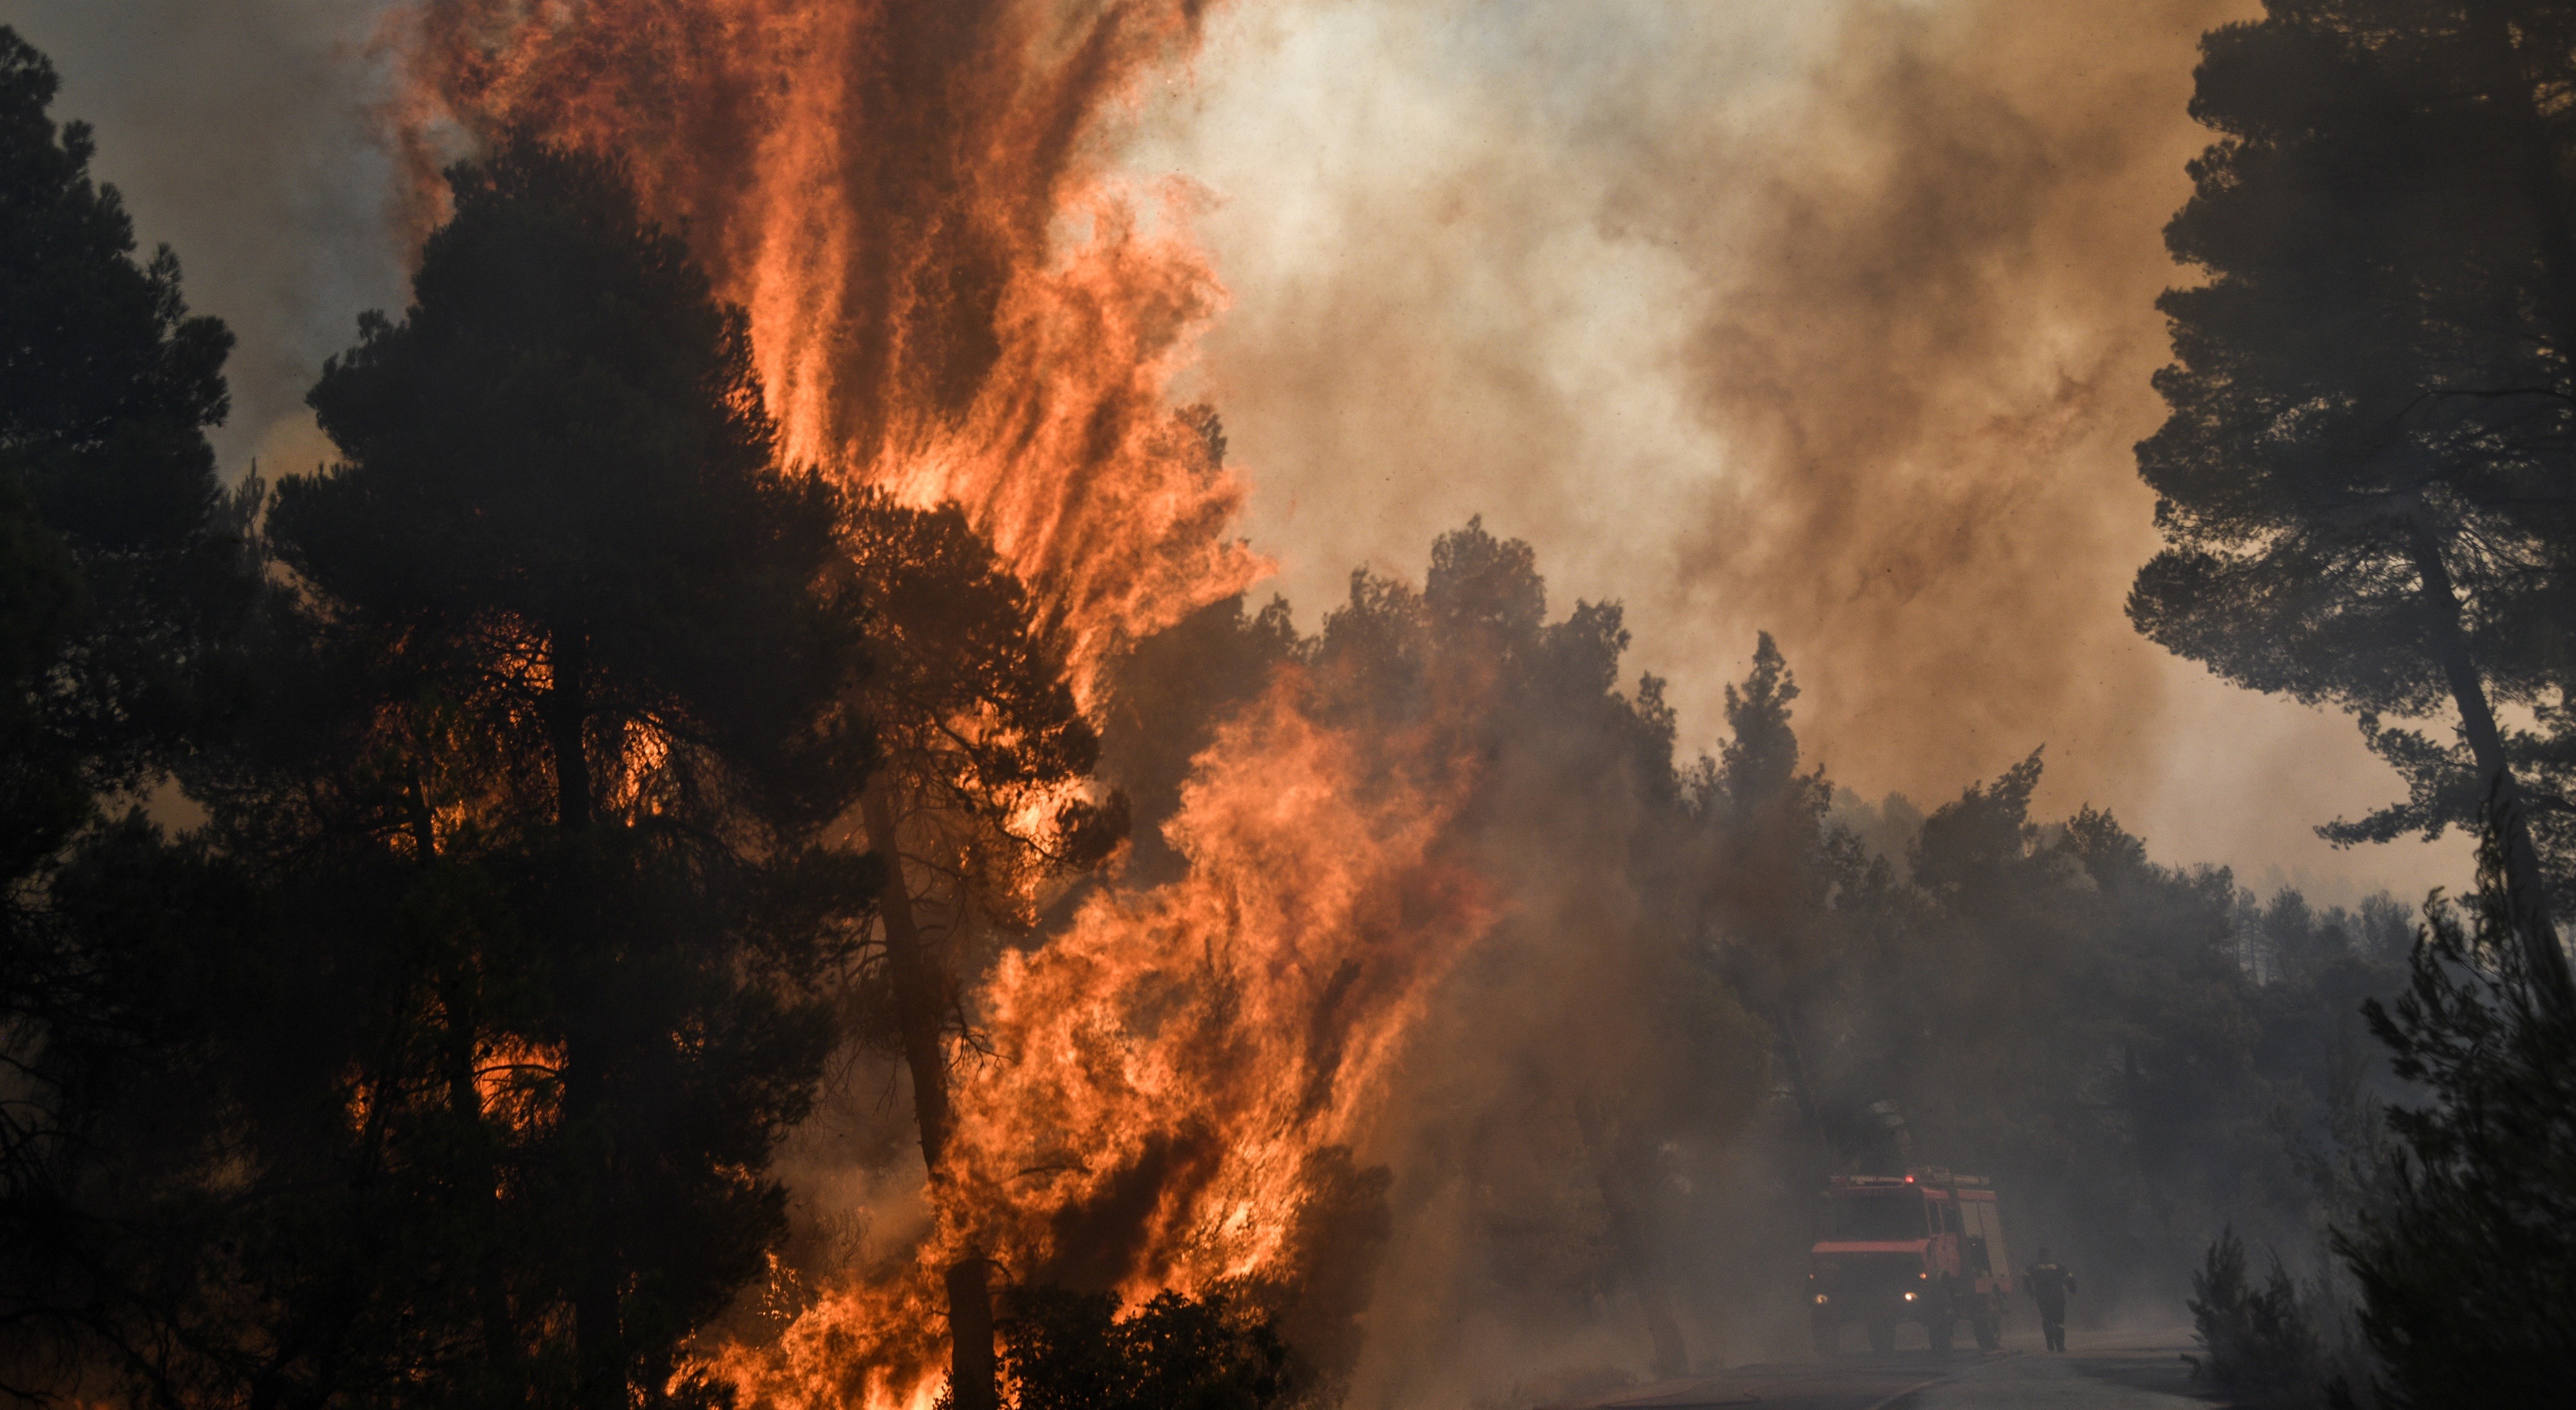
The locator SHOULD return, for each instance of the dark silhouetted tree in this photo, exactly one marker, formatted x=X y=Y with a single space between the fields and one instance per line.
x=1761 y=869
x=2262 y=1347
x=1072 y=1351
x=1568 y=789
x=598 y=648
x=2464 y=1264
x=2363 y=482
x=106 y=387
x=123 y=584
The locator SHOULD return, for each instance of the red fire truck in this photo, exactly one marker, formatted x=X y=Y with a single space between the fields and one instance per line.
x=1925 y=1246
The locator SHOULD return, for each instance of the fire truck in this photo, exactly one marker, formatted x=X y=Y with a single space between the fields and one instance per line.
x=1925 y=1246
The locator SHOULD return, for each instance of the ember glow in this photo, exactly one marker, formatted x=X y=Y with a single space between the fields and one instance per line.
x=952 y=301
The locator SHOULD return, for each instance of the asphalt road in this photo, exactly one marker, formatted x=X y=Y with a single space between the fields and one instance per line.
x=2102 y=1372
x=2105 y=1371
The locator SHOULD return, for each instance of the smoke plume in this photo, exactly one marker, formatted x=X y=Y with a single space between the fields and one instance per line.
x=1836 y=321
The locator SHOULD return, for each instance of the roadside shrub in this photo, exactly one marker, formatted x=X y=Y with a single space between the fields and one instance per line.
x=2262 y=1346
x=1066 y=1350
x=2467 y=1266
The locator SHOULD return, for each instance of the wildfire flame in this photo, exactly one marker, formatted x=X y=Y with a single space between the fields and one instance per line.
x=952 y=298
x=950 y=294
x=1189 y=1049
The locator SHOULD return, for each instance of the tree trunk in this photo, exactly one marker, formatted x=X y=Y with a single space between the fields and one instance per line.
x=920 y=1004
x=918 y=998
x=2526 y=891
x=465 y=1106
x=971 y=1382
x=1628 y=1235
x=598 y=1339
x=565 y=710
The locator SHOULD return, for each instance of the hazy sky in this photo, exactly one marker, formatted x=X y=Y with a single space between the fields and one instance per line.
x=1833 y=319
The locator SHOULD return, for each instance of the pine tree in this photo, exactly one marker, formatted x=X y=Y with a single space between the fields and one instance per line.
x=2362 y=483
x=2464 y=1266
x=599 y=660
x=123 y=586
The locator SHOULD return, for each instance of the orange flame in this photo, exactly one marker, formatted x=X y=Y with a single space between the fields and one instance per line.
x=950 y=295
x=952 y=298
x=1185 y=1050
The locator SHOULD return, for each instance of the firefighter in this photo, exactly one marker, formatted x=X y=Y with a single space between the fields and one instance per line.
x=2050 y=1286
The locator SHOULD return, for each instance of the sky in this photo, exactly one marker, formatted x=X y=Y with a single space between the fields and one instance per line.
x=1832 y=319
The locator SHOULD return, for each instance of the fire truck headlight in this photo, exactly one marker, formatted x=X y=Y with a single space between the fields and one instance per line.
x=1923 y=1275
x=1909 y=1297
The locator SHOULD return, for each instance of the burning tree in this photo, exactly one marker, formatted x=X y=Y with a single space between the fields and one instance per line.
x=600 y=661
x=978 y=805
x=950 y=295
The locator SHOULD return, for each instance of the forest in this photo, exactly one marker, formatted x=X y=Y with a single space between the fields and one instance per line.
x=578 y=901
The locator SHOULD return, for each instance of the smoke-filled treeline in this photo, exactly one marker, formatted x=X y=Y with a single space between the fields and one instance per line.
x=1706 y=973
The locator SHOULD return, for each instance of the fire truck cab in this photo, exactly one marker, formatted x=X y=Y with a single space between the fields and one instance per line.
x=1926 y=1246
